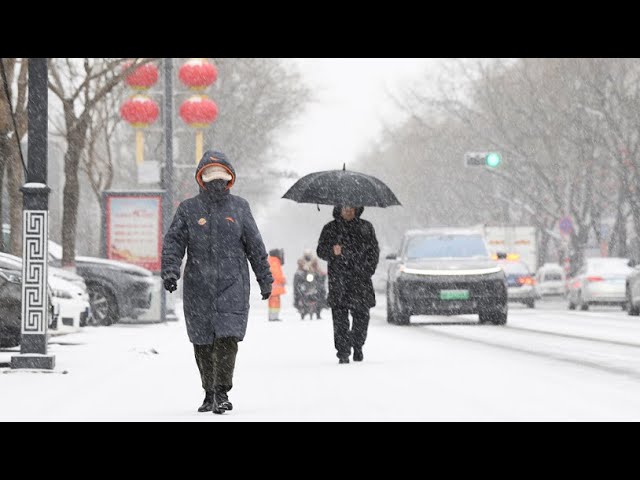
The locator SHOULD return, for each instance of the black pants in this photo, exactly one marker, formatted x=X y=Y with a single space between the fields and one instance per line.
x=216 y=362
x=345 y=338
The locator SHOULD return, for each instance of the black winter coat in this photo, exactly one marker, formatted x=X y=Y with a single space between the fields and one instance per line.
x=350 y=284
x=219 y=235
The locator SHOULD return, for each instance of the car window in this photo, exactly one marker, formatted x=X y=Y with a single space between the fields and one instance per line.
x=446 y=246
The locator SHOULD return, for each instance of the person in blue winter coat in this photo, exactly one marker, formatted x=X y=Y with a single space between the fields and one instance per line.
x=219 y=234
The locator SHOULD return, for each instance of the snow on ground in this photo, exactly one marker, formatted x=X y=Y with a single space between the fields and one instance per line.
x=288 y=371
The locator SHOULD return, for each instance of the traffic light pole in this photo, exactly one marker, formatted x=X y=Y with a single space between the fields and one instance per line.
x=35 y=229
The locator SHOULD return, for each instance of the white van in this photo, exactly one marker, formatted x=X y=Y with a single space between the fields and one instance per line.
x=551 y=280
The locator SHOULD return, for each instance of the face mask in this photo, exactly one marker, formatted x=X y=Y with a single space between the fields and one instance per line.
x=216 y=186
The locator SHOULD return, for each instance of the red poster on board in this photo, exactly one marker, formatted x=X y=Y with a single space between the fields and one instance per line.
x=134 y=229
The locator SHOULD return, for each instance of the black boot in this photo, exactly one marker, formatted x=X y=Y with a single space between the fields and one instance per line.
x=207 y=404
x=357 y=354
x=221 y=401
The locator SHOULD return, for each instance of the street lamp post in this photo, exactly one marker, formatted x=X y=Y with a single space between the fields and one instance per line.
x=35 y=229
x=167 y=313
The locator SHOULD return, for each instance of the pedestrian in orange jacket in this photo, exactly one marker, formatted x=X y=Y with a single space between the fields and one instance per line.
x=276 y=261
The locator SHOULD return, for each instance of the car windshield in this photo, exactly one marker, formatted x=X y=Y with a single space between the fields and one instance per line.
x=55 y=250
x=447 y=246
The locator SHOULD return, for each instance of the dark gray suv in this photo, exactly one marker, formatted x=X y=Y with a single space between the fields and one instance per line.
x=445 y=272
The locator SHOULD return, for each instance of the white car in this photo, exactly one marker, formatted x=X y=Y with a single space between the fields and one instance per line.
x=71 y=304
x=551 y=280
x=600 y=281
x=521 y=284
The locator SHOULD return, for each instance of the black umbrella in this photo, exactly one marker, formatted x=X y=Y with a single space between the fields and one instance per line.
x=342 y=187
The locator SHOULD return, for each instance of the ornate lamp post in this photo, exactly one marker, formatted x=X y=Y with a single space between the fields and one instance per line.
x=35 y=229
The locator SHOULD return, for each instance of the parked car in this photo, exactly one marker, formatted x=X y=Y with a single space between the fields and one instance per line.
x=632 y=290
x=520 y=282
x=11 y=308
x=600 y=281
x=68 y=292
x=445 y=272
x=72 y=306
x=116 y=289
x=551 y=280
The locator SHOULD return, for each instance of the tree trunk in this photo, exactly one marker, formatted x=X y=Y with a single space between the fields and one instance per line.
x=15 y=180
x=3 y=164
x=71 y=194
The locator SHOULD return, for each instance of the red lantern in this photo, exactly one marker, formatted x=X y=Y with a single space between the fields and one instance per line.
x=140 y=111
x=198 y=112
x=143 y=77
x=198 y=73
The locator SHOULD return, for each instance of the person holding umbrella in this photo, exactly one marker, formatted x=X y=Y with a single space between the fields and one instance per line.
x=350 y=247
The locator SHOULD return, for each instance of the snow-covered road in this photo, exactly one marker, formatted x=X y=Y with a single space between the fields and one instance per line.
x=547 y=364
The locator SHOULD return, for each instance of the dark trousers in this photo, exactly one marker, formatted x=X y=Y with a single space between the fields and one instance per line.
x=345 y=338
x=216 y=362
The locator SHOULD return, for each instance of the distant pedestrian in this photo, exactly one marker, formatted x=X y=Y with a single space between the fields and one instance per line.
x=350 y=247
x=219 y=234
x=276 y=261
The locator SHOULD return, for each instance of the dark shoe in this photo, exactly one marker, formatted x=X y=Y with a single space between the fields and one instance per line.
x=207 y=404
x=343 y=360
x=357 y=355
x=221 y=401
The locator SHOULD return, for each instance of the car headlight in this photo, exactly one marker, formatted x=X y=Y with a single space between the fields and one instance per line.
x=11 y=278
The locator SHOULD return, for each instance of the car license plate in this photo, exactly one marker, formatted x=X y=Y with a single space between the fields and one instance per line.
x=454 y=294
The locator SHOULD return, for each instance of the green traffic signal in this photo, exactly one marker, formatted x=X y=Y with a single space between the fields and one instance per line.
x=493 y=160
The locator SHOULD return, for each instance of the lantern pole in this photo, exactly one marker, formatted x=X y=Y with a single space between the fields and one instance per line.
x=199 y=145
x=139 y=147
x=167 y=312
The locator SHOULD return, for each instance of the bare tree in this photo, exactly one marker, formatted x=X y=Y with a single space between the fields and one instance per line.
x=15 y=71
x=81 y=85
x=98 y=159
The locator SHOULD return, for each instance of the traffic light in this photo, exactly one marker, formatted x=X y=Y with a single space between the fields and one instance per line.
x=493 y=160
x=483 y=159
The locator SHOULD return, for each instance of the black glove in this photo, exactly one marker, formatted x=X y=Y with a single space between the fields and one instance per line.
x=170 y=284
x=266 y=295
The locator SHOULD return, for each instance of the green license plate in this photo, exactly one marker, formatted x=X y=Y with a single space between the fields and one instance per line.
x=454 y=294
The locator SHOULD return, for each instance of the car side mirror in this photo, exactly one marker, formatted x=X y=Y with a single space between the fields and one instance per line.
x=392 y=256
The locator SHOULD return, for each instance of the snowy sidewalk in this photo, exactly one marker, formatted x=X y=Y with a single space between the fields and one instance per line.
x=288 y=371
